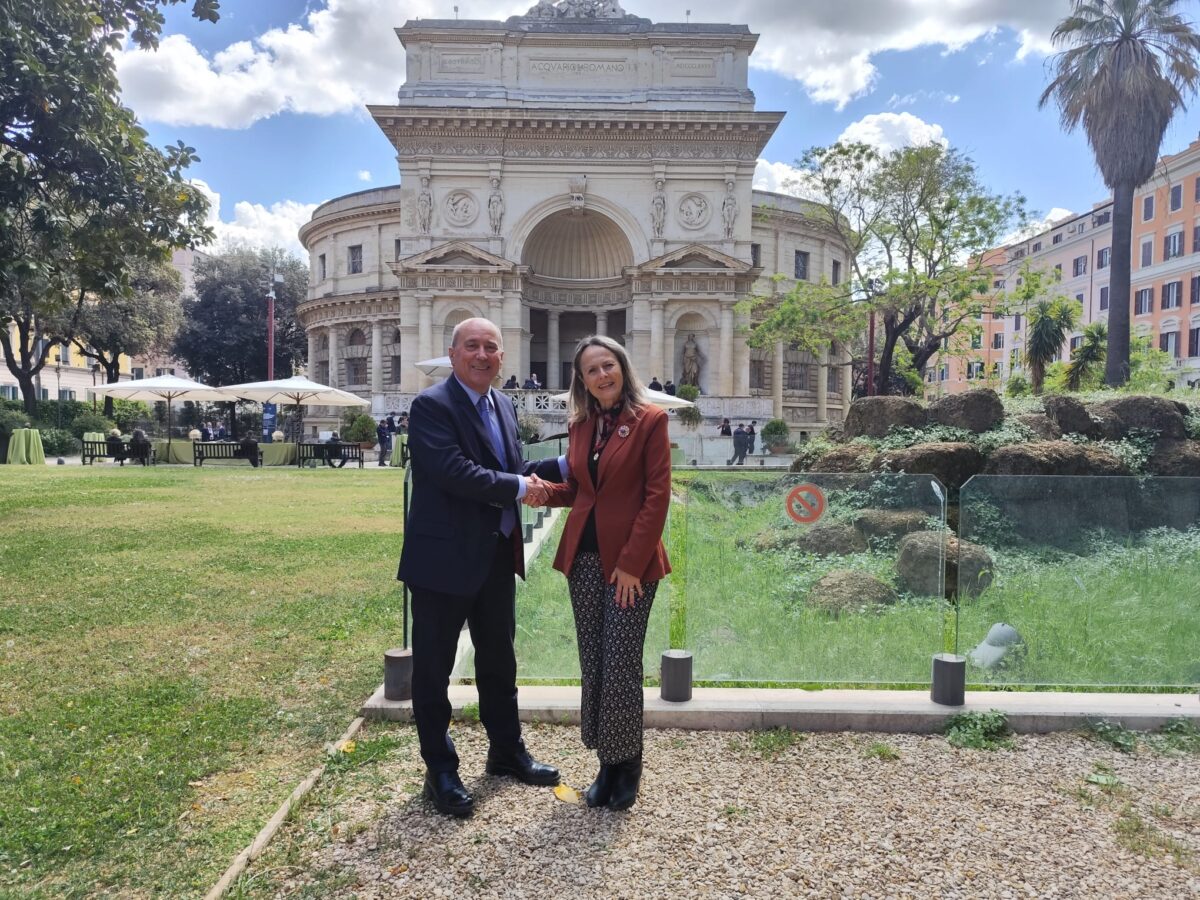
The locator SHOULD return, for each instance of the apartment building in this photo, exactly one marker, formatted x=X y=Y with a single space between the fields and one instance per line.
x=1165 y=282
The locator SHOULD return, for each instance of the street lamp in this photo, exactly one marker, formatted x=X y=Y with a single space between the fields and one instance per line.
x=95 y=372
x=58 y=378
x=273 y=279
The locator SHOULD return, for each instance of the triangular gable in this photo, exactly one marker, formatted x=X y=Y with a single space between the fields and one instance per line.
x=454 y=255
x=696 y=257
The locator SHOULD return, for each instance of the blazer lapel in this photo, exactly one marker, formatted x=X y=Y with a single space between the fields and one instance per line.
x=507 y=420
x=467 y=409
x=617 y=444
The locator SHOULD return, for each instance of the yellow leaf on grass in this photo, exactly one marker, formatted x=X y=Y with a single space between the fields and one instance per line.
x=566 y=793
x=348 y=747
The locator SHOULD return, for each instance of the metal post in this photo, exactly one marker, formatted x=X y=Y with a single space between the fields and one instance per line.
x=871 y=356
x=271 y=335
x=58 y=378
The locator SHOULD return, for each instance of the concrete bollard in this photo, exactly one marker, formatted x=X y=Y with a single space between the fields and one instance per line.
x=676 y=676
x=949 y=679
x=397 y=673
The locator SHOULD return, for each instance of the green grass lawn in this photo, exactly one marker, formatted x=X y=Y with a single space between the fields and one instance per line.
x=176 y=646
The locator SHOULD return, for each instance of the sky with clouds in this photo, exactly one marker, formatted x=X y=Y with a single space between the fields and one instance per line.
x=272 y=96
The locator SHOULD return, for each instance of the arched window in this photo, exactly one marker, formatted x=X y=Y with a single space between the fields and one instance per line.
x=357 y=338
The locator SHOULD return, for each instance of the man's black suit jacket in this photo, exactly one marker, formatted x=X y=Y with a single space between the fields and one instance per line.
x=460 y=490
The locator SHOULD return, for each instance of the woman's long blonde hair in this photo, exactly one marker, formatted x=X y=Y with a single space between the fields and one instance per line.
x=581 y=403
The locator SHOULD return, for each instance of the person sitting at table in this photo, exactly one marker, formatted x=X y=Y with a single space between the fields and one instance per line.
x=248 y=449
x=511 y=384
x=139 y=447
x=206 y=432
x=333 y=450
x=115 y=446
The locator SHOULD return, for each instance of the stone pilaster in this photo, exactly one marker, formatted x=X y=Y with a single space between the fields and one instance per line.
x=553 y=352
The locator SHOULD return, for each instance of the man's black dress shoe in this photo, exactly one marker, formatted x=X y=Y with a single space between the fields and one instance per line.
x=521 y=766
x=446 y=791
x=627 y=776
x=601 y=789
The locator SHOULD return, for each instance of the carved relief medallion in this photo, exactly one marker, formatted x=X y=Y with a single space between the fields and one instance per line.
x=460 y=208
x=694 y=211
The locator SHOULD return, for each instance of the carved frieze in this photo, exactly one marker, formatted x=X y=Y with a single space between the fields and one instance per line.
x=460 y=208
x=694 y=211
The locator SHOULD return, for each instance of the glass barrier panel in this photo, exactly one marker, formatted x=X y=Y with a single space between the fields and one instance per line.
x=1079 y=580
x=806 y=578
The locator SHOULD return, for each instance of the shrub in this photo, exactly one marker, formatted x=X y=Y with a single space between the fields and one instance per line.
x=979 y=730
x=90 y=421
x=11 y=419
x=688 y=392
x=58 y=442
x=689 y=416
x=529 y=427
x=361 y=430
x=130 y=414
x=1018 y=385
x=775 y=433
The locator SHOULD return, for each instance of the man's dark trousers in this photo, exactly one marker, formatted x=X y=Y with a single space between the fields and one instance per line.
x=438 y=618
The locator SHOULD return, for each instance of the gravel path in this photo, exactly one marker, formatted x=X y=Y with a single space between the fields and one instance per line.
x=744 y=815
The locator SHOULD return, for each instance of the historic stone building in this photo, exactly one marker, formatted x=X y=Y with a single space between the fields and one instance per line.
x=571 y=171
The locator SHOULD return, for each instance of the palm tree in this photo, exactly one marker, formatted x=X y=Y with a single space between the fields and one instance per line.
x=1089 y=354
x=1049 y=323
x=1127 y=68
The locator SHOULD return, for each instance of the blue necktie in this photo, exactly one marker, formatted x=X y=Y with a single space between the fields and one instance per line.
x=507 y=518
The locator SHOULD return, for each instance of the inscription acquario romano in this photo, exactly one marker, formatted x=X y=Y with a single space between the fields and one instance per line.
x=580 y=66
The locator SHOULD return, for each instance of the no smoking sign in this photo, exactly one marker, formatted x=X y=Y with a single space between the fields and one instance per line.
x=805 y=503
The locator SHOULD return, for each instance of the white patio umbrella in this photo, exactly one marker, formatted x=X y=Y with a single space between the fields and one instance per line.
x=439 y=365
x=297 y=390
x=167 y=388
x=658 y=398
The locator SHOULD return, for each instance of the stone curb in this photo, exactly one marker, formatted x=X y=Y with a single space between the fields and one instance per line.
x=263 y=838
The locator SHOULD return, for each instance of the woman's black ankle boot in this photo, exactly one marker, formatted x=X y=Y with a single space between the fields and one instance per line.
x=601 y=789
x=626 y=779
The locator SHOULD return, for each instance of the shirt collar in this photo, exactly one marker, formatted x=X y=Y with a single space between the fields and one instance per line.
x=474 y=395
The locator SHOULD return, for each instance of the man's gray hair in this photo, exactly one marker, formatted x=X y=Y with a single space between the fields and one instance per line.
x=471 y=321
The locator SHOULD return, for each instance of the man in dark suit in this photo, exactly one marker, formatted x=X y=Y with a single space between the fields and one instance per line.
x=462 y=547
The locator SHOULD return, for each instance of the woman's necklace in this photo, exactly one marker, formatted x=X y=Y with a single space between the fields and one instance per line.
x=604 y=431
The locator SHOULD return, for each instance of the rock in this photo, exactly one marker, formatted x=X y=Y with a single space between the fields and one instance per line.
x=1154 y=413
x=1001 y=641
x=890 y=524
x=1069 y=415
x=876 y=416
x=845 y=590
x=833 y=539
x=976 y=411
x=917 y=565
x=1053 y=458
x=847 y=458
x=952 y=464
x=1043 y=427
x=1179 y=458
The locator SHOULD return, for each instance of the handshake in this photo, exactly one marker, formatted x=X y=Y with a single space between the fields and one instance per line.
x=537 y=492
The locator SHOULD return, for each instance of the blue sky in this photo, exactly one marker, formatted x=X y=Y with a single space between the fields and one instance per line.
x=272 y=95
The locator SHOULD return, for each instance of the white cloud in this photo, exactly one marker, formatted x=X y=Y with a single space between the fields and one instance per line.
x=891 y=131
x=256 y=225
x=897 y=100
x=364 y=175
x=1045 y=223
x=345 y=52
x=782 y=178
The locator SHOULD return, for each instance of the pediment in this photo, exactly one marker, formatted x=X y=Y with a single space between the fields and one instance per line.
x=697 y=257
x=454 y=255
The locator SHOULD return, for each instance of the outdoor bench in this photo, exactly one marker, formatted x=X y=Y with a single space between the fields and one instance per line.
x=202 y=450
x=321 y=451
x=93 y=450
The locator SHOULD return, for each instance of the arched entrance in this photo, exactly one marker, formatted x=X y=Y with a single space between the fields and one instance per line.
x=575 y=285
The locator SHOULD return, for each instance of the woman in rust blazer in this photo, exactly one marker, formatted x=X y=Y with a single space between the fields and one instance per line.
x=618 y=485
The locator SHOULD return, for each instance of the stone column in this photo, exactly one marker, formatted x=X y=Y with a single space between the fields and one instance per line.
x=425 y=332
x=656 y=336
x=725 y=384
x=333 y=357
x=553 y=351
x=823 y=386
x=602 y=321
x=377 y=368
x=313 y=343
x=777 y=364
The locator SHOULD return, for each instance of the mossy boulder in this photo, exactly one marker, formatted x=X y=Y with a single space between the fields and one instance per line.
x=1053 y=458
x=830 y=539
x=1121 y=414
x=890 y=524
x=966 y=565
x=951 y=463
x=844 y=459
x=1070 y=416
x=875 y=416
x=847 y=590
x=977 y=411
x=1043 y=427
x=1177 y=458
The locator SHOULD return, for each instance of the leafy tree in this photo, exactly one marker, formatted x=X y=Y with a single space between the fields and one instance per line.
x=1124 y=74
x=1088 y=356
x=131 y=324
x=223 y=339
x=1150 y=369
x=82 y=192
x=917 y=222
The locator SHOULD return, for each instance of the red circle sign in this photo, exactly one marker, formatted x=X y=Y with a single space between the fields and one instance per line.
x=806 y=503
